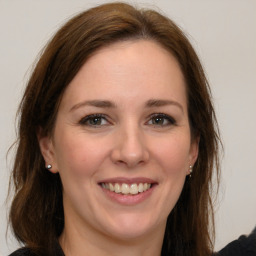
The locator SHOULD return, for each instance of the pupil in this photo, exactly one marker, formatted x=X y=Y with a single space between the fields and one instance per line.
x=158 y=120
x=96 y=121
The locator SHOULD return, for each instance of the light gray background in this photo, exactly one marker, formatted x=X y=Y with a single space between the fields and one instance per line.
x=224 y=35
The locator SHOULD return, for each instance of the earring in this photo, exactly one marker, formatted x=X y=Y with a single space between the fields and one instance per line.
x=190 y=171
x=49 y=166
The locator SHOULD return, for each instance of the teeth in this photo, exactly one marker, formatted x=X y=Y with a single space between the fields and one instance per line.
x=134 y=189
x=111 y=187
x=126 y=189
x=117 y=188
x=141 y=187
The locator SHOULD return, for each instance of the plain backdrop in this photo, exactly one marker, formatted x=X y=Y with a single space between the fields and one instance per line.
x=224 y=35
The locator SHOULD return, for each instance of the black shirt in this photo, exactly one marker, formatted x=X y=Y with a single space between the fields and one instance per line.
x=243 y=246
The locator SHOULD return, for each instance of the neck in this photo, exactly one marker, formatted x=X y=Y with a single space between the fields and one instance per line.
x=76 y=242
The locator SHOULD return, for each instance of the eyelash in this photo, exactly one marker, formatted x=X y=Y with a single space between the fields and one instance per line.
x=171 y=120
x=86 y=119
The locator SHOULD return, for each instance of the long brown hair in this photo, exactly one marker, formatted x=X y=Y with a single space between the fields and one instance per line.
x=36 y=214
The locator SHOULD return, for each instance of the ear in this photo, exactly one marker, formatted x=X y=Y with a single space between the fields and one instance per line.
x=193 y=154
x=47 y=150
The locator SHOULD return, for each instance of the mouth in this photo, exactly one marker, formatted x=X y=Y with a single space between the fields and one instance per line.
x=125 y=188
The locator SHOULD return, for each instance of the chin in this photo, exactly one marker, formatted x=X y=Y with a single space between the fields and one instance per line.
x=130 y=227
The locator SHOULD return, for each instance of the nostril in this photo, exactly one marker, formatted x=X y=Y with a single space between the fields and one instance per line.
x=130 y=157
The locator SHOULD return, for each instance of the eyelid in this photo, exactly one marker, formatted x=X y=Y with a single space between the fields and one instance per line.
x=83 y=120
x=86 y=118
x=170 y=119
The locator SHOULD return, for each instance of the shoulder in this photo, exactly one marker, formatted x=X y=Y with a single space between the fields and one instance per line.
x=244 y=245
x=23 y=252
x=56 y=251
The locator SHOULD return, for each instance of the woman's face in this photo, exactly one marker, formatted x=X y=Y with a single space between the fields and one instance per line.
x=122 y=142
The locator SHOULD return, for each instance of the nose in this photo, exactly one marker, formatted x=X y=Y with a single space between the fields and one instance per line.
x=130 y=148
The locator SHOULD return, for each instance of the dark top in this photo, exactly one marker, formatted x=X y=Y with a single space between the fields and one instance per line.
x=27 y=252
x=243 y=246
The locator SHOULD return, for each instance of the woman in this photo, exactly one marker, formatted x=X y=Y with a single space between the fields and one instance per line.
x=117 y=141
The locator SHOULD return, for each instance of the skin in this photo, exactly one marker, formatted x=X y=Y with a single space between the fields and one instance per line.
x=126 y=142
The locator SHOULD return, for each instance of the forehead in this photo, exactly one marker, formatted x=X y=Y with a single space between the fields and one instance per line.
x=126 y=70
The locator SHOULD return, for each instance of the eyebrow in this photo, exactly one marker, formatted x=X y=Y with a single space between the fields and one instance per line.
x=108 y=104
x=160 y=103
x=94 y=103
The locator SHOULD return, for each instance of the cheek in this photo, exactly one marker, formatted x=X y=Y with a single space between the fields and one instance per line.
x=78 y=156
x=171 y=158
x=173 y=155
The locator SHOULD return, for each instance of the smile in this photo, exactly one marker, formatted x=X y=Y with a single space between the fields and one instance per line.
x=126 y=189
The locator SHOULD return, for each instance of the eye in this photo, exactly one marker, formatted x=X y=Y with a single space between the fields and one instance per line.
x=161 y=120
x=94 y=120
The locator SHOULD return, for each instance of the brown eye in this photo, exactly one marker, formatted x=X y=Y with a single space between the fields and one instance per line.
x=161 y=120
x=158 y=120
x=94 y=120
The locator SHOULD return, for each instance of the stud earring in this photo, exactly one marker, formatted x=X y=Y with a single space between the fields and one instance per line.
x=190 y=171
x=49 y=166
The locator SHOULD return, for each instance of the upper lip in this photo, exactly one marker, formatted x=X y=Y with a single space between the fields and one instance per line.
x=134 y=180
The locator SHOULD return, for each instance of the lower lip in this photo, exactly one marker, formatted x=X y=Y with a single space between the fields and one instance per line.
x=128 y=199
